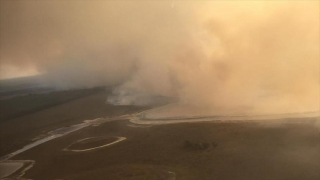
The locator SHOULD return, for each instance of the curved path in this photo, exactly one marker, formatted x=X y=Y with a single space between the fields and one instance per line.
x=119 y=139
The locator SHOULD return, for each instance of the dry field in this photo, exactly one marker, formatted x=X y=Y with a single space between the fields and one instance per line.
x=238 y=150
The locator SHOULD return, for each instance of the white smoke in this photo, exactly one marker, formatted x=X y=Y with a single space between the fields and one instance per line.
x=205 y=53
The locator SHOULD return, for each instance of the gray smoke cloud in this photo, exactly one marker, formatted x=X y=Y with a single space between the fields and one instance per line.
x=205 y=53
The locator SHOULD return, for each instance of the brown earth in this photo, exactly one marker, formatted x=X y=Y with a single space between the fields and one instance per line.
x=243 y=151
x=47 y=112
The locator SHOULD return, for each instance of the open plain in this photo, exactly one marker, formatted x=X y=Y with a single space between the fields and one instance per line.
x=275 y=149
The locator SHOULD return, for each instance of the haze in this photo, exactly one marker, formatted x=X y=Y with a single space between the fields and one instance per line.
x=212 y=54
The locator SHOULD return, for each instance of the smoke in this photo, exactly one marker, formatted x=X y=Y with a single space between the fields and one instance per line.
x=205 y=53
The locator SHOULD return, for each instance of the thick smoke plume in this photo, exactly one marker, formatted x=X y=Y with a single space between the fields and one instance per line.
x=208 y=54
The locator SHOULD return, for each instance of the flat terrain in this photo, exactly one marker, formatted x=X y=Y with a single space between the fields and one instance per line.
x=239 y=150
x=27 y=118
x=243 y=151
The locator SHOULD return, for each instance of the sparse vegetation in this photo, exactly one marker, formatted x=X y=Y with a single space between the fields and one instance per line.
x=198 y=145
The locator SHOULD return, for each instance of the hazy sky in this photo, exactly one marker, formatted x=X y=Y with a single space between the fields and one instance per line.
x=203 y=52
